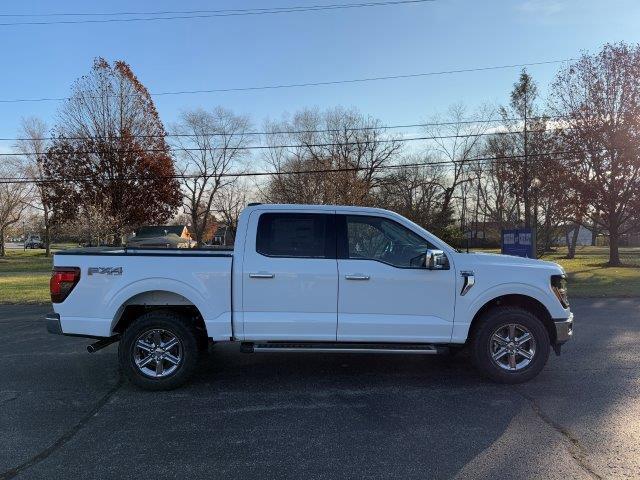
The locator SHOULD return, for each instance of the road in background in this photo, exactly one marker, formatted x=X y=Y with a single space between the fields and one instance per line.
x=65 y=413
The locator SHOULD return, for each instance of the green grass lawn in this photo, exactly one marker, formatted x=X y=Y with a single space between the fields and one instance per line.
x=589 y=275
x=24 y=275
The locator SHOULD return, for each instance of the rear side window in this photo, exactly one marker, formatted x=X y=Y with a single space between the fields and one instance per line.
x=299 y=235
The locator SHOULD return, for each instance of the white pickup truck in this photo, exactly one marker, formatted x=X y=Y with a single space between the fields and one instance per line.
x=306 y=278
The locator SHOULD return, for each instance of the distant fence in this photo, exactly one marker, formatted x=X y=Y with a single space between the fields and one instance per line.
x=629 y=240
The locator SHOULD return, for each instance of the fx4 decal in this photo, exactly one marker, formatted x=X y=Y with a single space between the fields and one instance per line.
x=105 y=271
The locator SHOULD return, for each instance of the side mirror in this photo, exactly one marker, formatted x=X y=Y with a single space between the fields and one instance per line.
x=436 y=260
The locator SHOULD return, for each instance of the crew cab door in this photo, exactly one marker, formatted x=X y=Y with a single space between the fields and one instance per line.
x=386 y=294
x=290 y=277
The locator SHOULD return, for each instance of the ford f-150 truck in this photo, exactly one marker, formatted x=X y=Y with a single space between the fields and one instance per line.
x=305 y=278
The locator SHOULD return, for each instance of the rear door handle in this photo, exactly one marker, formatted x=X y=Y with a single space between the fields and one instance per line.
x=261 y=275
x=357 y=277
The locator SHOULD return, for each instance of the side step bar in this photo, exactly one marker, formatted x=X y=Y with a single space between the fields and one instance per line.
x=327 y=347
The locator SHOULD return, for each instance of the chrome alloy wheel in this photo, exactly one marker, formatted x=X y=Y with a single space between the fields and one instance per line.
x=512 y=347
x=157 y=353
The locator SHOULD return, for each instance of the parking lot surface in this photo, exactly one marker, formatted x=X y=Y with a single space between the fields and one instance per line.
x=65 y=413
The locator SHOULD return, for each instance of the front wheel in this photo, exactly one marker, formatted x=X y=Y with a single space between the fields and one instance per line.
x=511 y=345
x=159 y=350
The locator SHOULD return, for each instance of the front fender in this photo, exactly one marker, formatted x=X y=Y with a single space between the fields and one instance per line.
x=469 y=305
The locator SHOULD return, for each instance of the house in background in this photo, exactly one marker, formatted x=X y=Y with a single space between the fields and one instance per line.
x=161 y=236
x=219 y=236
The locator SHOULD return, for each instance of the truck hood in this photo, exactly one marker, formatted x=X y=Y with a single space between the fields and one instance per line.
x=469 y=260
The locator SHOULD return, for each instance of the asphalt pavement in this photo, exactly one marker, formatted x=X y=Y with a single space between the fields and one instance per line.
x=65 y=413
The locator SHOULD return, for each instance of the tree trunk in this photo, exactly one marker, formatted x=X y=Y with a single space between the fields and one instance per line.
x=594 y=233
x=47 y=233
x=2 y=250
x=572 y=242
x=47 y=240
x=614 y=242
x=118 y=236
x=548 y=231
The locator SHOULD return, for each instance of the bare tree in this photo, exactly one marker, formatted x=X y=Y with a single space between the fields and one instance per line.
x=211 y=145
x=344 y=152
x=33 y=145
x=456 y=141
x=229 y=202
x=414 y=191
x=13 y=198
x=599 y=99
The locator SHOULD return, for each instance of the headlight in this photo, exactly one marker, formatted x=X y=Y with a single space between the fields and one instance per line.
x=559 y=286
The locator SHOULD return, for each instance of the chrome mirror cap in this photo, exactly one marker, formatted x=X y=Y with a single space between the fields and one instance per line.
x=436 y=260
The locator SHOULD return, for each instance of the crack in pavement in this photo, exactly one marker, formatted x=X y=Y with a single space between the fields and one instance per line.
x=577 y=451
x=64 y=438
x=8 y=396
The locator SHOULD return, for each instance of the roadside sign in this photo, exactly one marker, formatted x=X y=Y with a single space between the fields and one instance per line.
x=518 y=242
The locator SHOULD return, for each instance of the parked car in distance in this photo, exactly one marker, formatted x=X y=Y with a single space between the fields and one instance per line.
x=33 y=241
x=309 y=278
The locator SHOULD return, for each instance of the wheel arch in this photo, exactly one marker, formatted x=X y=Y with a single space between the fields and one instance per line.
x=158 y=299
x=526 y=302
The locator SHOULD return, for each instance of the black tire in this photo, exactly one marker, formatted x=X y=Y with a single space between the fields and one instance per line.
x=173 y=324
x=482 y=345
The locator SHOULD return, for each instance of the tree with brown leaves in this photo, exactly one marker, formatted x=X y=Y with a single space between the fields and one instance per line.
x=110 y=155
x=599 y=99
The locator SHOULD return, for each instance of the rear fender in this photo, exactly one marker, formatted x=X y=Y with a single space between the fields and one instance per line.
x=216 y=317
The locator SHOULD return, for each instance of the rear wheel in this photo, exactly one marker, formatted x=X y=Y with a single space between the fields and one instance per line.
x=159 y=350
x=511 y=345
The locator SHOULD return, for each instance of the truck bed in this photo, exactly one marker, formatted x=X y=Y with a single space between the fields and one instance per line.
x=164 y=252
x=113 y=278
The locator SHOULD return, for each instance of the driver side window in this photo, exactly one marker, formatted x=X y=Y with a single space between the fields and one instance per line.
x=377 y=238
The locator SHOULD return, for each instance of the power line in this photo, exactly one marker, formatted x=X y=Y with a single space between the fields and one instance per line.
x=183 y=12
x=273 y=147
x=20 y=180
x=199 y=14
x=313 y=84
x=296 y=132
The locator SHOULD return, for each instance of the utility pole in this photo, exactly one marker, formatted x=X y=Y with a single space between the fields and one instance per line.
x=527 y=181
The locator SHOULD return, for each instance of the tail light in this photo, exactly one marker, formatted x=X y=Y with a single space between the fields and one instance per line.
x=63 y=280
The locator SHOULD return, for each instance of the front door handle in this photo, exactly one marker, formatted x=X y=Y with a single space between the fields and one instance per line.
x=357 y=277
x=261 y=275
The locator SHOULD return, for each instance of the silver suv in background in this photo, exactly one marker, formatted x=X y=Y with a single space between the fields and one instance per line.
x=33 y=241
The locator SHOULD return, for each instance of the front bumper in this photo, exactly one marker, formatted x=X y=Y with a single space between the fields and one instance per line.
x=53 y=323
x=564 y=329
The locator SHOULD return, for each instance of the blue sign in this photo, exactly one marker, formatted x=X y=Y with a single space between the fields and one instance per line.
x=518 y=242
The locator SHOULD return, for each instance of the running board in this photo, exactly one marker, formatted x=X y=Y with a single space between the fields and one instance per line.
x=326 y=347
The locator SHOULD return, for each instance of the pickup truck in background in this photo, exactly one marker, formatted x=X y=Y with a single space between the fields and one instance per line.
x=306 y=278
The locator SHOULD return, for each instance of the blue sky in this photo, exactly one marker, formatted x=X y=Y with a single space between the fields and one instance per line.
x=43 y=61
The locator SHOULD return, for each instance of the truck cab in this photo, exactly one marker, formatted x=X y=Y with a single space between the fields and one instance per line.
x=315 y=278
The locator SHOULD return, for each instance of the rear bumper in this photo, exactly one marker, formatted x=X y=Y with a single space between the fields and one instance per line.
x=53 y=323
x=54 y=326
x=564 y=329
